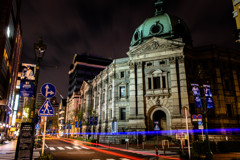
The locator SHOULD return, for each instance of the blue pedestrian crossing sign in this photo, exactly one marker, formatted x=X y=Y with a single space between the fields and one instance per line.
x=37 y=127
x=48 y=90
x=46 y=109
x=156 y=128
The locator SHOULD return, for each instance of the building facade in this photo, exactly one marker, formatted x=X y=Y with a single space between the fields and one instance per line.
x=83 y=68
x=236 y=16
x=10 y=52
x=61 y=117
x=153 y=84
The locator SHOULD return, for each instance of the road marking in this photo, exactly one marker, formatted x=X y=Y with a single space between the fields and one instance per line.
x=52 y=148
x=46 y=145
x=77 y=147
x=84 y=147
x=61 y=148
x=69 y=148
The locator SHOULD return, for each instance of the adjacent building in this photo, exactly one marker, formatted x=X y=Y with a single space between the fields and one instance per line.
x=84 y=67
x=61 y=117
x=10 y=52
x=236 y=16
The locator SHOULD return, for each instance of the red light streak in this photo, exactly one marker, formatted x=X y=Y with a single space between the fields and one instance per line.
x=80 y=143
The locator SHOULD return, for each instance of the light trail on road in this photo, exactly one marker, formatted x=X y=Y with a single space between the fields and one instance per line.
x=80 y=143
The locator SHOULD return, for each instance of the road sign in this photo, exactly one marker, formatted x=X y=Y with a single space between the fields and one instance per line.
x=37 y=127
x=199 y=116
x=156 y=128
x=155 y=122
x=194 y=117
x=46 y=109
x=181 y=135
x=200 y=123
x=48 y=90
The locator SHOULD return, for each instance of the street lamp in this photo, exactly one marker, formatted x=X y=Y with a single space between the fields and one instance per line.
x=18 y=115
x=39 y=50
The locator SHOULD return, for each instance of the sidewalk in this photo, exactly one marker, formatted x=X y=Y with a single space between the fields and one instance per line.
x=8 y=149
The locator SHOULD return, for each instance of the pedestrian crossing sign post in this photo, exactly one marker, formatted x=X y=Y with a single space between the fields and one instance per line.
x=156 y=128
x=37 y=127
x=46 y=109
x=48 y=90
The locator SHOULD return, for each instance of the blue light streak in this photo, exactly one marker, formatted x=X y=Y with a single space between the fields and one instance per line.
x=218 y=131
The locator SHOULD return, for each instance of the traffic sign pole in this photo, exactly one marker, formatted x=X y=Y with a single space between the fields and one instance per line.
x=44 y=132
x=186 y=115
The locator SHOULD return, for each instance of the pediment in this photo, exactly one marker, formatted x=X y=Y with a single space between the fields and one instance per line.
x=154 y=45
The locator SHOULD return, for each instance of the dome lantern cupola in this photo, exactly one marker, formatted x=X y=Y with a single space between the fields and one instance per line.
x=161 y=25
x=159 y=7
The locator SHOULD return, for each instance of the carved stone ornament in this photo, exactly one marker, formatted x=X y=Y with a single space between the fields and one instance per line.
x=172 y=60
x=139 y=64
x=158 y=101
x=180 y=59
x=131 y=65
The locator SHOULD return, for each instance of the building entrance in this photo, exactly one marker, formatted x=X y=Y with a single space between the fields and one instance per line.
x=160 y=116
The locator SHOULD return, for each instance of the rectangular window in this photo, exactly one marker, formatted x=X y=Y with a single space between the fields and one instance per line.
x=110 y=95
x=103 y=97
x=110 y=113
x=122 y=74
x=156 y=82
x=162 y=62
x=164 y=85
x=149 y=83
x=122 y=92
x=123 y=113
x=229 y=110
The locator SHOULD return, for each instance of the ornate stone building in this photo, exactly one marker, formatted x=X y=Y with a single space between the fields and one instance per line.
x=154 y=82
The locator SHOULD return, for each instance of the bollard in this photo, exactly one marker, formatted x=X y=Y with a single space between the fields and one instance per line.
x=164 y=150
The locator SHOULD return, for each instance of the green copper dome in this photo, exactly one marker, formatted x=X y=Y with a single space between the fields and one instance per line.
x=161 y=25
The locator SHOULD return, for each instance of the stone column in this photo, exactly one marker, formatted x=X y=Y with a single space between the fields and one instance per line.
x=140 y=96
x=132 y=91
x=174 y=109
x=183 y=82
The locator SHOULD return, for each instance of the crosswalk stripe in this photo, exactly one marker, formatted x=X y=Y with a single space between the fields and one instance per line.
x=77 y=147
x=84 y=147
x=60 y=148
x=52 y=148
x=69 y=148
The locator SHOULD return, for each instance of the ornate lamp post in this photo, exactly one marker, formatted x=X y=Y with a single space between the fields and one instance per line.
x=39 y=50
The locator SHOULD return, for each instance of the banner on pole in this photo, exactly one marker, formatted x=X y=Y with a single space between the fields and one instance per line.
x=76 y=124
x=197 y=96
x=208 y=95
x=80 y=124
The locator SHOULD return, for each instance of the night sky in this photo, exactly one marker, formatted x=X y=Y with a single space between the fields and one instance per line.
x=104 y=28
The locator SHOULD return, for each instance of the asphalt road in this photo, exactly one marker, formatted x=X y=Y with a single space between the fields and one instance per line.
x=66 y=149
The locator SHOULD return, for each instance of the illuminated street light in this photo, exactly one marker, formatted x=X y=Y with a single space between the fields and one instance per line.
x=18 y=115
